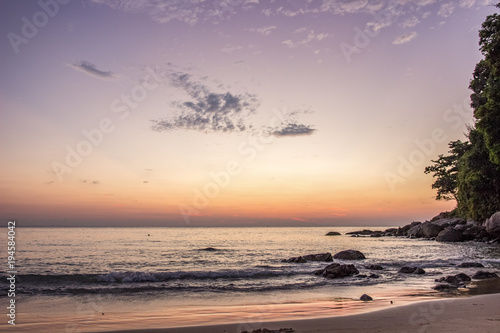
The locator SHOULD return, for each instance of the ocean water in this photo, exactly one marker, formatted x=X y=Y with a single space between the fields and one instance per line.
x=171 y=268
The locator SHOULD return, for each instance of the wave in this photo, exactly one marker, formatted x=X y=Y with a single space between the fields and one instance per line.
x=141 y=276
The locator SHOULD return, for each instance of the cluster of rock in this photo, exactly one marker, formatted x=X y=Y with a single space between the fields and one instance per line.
x=443 y=229
x=337 y=270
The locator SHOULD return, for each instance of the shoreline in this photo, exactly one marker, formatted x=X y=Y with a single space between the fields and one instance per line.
x=459 y=314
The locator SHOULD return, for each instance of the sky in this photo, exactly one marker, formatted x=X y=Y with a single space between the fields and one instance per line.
x=231 y=112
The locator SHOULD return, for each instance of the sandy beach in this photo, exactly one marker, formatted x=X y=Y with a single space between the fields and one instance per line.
x=470 y=314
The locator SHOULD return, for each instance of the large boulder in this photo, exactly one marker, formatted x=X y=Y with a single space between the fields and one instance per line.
x=333 y=233
x=431 y=230
x=450 y=235
x=311 y=257
x=366 y=298
x=335 y=270
x=493 y=225
x=415 y=231
x=364 y=232
x=349 y=255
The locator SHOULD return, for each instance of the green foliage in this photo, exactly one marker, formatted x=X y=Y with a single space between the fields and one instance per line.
x=445 y=171
x=478 y=193
x=471 y=173
x=486 y=87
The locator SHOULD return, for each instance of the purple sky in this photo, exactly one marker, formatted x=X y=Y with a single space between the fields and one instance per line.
x=231 y=112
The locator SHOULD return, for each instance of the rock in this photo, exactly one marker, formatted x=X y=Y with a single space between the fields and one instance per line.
x=470 y=264
x=311 y=257
x=333 y=233
x=366 y=298
x=411 y=270
x=463 y=277
x=362 y=232
x=335 y=270
x=375 y=267
x=373 y=276
x=493 y=225
x=484 y=275
x=376 y=234
x=450 y=235
x=430 y=230
x=449 y=279
x=445 y=287
x=349 y=255
x=391 y=231
x=419 y=271
x=209 y=249
x=415 y=231
x=407 y=270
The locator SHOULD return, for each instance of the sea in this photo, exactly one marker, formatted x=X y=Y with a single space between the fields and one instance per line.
x=99 y=279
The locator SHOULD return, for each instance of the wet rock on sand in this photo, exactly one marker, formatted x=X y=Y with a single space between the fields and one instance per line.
x=335 y=270
x=333 y=233
x=366 y=298
x=349 y=255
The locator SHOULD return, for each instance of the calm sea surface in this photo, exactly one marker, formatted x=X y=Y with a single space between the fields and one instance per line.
x=217 y=266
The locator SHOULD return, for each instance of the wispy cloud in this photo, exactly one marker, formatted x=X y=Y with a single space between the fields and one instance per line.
x=411 y=22
x=265 y=31
x=405 y=38
x=311 y=36
x=220 y=110
x=90 y=69
x=446 y=9
x=292 y=129
x=207 y=110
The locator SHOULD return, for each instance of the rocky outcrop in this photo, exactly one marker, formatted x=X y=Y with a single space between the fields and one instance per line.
x=349 y=255
x=493 y=225
x=335 y=270
x=365 y=232
x=311 y=257
x=430 y=230
x=484 y=275
x=450 y=235
x=366 y=298
x=333 y=233
x=411 y=270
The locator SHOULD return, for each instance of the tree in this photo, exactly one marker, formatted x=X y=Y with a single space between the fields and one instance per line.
x=445 y=171
x=486 y=87
x=471 y=173
x=478 y=182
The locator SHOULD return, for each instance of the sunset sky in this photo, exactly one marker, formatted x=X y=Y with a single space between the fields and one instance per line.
x=241 y=112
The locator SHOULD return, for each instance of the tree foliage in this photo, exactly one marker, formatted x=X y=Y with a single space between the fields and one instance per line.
x=445 y=171
x=471 y=173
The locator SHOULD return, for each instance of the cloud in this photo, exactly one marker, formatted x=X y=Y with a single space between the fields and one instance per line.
x=292 y=129
x=311 y=36
x=207 y=110
x=92 y=182
x=405 y=38
x=411 y=22
x=265 y=31
x=467 y=3
x=446 y=9
x=91 y=70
